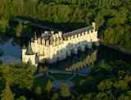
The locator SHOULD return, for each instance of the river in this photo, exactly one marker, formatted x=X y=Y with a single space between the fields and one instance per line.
x=10 y=52
x=80 y=63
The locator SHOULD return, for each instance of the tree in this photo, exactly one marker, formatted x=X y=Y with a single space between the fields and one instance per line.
x=7 y=93
x=102 y=96
x=3 y=24
x=23 y=75
x=105 y=85
x=49 y=86
x=22 y=98
x=6 y=72
x=87 y=97
x=55 y=96
x=124 y=97
x=64 y=90
x=121 y=84
x=38 y=90
x=19 y=28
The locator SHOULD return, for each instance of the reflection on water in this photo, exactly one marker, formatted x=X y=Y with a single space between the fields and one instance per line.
x=108 y=54
x=10 y=52
x=76 y=62
x=81 y=63
x=67 y=71
x=89 y=57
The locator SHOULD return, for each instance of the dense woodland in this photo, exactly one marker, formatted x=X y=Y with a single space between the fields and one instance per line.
x=107 y=81
x=113 y=17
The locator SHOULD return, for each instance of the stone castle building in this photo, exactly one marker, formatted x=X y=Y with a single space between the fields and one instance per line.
x=54 y=46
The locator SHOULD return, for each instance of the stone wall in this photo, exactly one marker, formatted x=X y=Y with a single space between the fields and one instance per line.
x=57 y=47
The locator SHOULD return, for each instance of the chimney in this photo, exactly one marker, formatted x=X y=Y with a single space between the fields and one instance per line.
x=94 y=26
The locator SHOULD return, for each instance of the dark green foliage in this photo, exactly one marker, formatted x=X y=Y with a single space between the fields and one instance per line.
x=15 y=75
x=7 y=93
x=21 y=75
x=49 y=86
x=64 y=90
x=21 y=98
x=38 y=91
x=107 y=81
x=113 y=17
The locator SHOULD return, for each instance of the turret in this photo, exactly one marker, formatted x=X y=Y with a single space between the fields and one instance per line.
x=35 y=39
x=52 y=32
x=28 y=55
x=60 y=34
x=29 y=50
x=23 y=53
x=43 y=41
x=94 y=26
x=35 y=36
x=46 y=32
x=39 y=40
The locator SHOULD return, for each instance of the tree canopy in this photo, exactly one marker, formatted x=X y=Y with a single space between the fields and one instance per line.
x=113 y=17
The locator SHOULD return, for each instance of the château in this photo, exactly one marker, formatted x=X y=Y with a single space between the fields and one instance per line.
x=54 y=46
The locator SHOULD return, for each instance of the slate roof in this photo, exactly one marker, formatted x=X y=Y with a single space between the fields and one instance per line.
x=29 y=50
x=78 y=31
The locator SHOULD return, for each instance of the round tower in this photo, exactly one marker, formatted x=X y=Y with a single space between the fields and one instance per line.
x=23 y=54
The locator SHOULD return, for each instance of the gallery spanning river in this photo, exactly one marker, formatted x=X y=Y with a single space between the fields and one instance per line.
x=10 y=52
x=90 y=57
x=72 y=66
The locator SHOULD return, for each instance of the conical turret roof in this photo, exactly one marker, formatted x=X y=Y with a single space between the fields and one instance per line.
x=29 y=50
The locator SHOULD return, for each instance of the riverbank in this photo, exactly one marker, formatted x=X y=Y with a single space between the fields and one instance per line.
x=117 y=48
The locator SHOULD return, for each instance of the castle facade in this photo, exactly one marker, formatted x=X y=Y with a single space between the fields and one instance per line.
x=54 y=46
